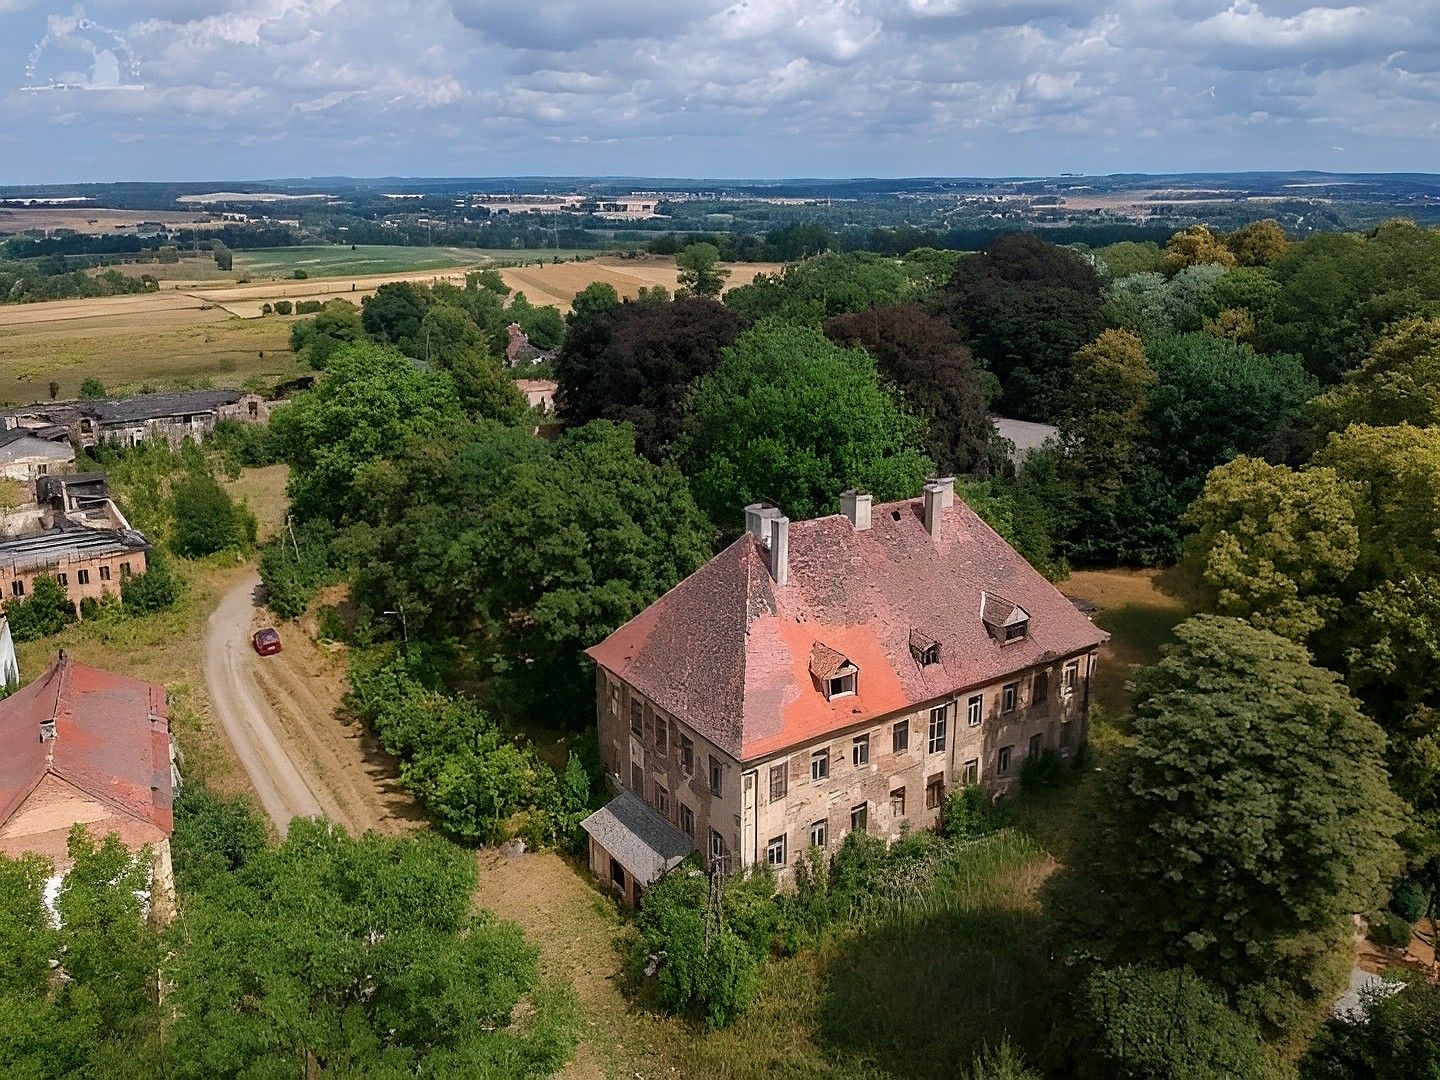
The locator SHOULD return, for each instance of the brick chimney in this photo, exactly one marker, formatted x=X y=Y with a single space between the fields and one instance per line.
x=947 y=498
x=856 y=507
x=934 y=503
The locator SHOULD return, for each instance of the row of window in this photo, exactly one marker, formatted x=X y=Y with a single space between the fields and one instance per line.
x=82 y=577
x=659 y=736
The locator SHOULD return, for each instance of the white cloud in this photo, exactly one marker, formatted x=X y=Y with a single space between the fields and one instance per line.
x=725 y=88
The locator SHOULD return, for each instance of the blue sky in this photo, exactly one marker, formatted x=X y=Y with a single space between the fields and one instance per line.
x=249 y=89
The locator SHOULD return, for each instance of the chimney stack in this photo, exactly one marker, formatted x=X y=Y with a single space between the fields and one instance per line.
x=947 y=498
x=934 y=501
x=780 y=549
x=856 y=507
x=757 y=516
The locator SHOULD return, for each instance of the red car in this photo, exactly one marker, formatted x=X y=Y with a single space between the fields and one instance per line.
x=266 y=641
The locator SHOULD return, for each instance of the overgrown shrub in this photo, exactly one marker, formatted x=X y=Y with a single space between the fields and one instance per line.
x=47 y=610
x=154 y=590
x=213 y=835
x=1410 y=900
x=1145 y=1023
x=249 y=446
x=283 y=307
x=206 y=518
x=478 y=783
x=1389 y=929
x=1399 y=1038
x=968 y=813
x=307 y=307
x=292 y=568
x=1046 y=770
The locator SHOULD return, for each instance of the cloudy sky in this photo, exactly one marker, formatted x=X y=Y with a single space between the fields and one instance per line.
x=201 y=89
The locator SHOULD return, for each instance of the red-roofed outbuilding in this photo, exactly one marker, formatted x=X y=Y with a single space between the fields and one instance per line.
x=84 y=746
x=820 y=676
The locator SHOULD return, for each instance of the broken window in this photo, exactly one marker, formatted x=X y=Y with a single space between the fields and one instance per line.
x=935 y=792
x=778 y=781
x=900 y=737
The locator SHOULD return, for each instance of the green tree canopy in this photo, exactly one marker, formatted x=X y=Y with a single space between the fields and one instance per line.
x=790 y=418
x=1248 y=820
x=1397 y=383
x=1275 y=546
x=923 y=356
x=337 y=323
x=1196 y=246
x=831 y=284
x=354 y=957
x=339 y=437
x=207 y=519
x=700 y=269
x=1146 y=1023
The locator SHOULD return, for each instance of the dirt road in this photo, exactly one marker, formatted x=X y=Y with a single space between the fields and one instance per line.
x=281 y=714
x=237 y=703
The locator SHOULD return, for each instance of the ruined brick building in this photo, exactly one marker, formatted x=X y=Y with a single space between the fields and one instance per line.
x=822 y=676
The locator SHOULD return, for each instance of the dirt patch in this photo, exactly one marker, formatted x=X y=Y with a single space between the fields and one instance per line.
x=264 y=493
x=575 y=927
x=94 y=220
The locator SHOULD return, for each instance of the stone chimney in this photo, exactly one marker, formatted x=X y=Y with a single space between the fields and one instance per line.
x=934 y=503
x=947 y=499
x=856 y=507
x=780 y=549
x=756 y=517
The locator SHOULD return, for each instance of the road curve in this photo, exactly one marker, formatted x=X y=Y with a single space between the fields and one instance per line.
x=242 y=709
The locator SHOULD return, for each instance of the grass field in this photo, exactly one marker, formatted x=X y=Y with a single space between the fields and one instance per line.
x=1140 y=609
x=341 y=260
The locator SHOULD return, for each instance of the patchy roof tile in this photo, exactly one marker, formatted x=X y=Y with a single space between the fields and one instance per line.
x=111 y=741
x=729 y=652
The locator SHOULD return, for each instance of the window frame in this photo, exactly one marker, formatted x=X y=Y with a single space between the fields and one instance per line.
x=715 y=846
x=716 y=775
x=975 y=710
x=687 y=821
x=687 y=754
x=1070 y=678
x=970 y=772
x=900 y=737
x=860 y=751
x=1009 y=697
x=1040 y=687
x=662 y=800
x=1003 y=760
x=662 y=734
x=637 y=718
x=853 y=688
x=1037 y=746
x=897 y=801
x=780 y=772
x=82 y=576
x=860 y=813
x=935 y=791
x=771 y=853
x=820 y=765
x=823 y=828
x=939 y=734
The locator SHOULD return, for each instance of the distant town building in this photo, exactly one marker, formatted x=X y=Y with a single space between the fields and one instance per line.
x=518 y=350
x=821 y=677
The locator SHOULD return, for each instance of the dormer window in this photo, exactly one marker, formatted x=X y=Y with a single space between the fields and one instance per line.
x=836 y=675
x=1006 y=622
x=924 y=649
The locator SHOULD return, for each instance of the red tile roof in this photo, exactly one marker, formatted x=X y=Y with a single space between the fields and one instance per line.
x=730 y=652
x=112 y=741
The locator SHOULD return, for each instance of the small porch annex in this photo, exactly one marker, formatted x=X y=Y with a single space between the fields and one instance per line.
x=631 y=846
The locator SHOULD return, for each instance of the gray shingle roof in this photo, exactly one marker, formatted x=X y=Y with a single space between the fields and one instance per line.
x=154 y=406
x=643 y=842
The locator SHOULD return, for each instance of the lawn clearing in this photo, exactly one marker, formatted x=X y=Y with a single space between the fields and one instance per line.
x=1140 y=609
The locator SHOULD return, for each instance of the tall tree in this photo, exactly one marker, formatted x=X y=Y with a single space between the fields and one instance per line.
x=1247 y=822
x=636 y=361
x=339 y=437
x=922 y=355
x=1397 y=383
x=1258 y=243
x=314 y=340
x=1275 y=546
x=1104 y=417
x=700 y=270
x=1196 y=246
x=791 y=418
x=1025 y=306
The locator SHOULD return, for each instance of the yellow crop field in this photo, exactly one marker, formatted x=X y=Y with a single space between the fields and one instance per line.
x=215 y=330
